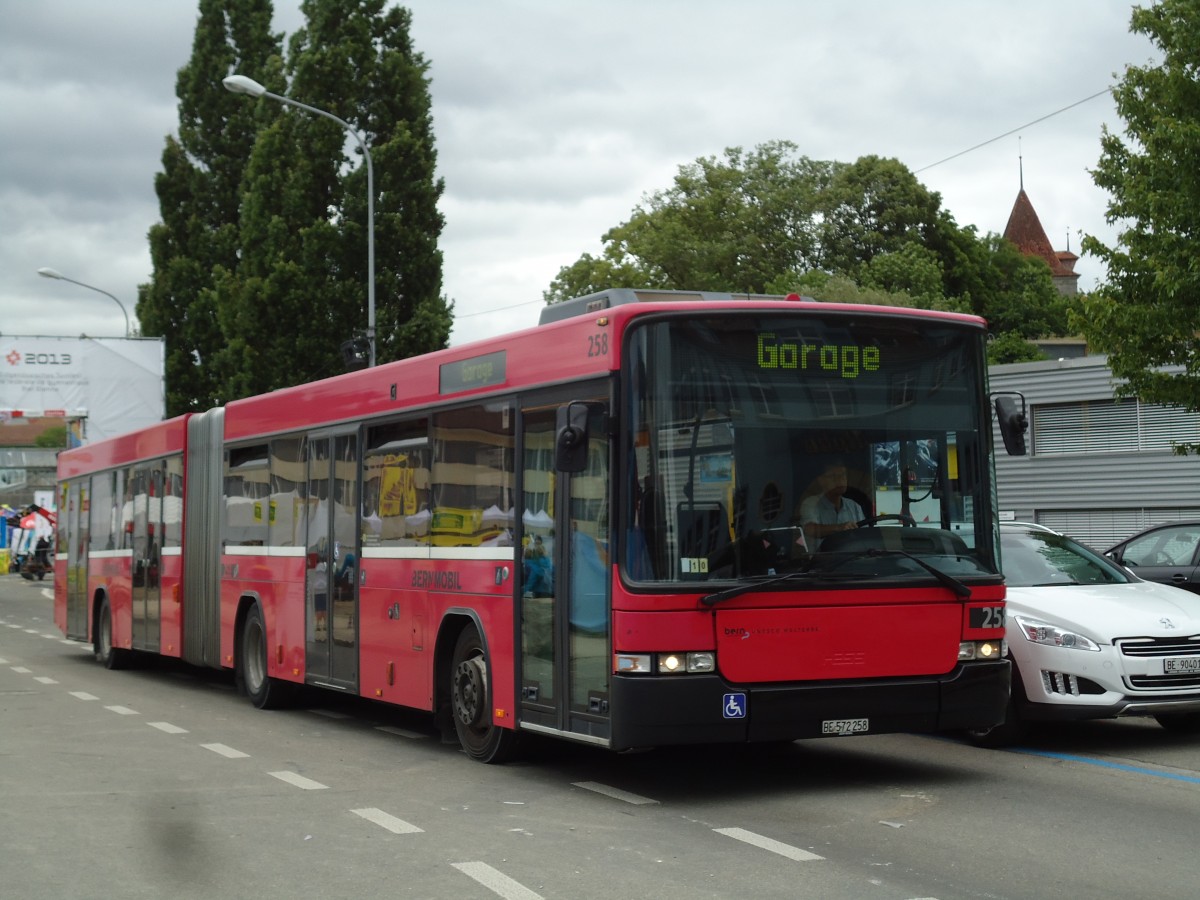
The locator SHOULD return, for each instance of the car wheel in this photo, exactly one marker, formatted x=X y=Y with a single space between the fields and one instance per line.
x=1180 y=723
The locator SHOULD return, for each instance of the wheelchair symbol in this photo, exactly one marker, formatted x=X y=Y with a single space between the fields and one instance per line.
x=735 y=706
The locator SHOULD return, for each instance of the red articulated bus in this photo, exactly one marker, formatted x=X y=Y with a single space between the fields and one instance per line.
x=626 y=527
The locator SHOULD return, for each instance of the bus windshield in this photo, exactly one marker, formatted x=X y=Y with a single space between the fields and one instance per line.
x=835 y=444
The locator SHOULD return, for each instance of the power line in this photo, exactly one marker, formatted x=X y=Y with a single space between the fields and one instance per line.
x=1014 y=130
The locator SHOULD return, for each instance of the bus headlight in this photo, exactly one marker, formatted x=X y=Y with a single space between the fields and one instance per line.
x=980 y=650
x=692 y=662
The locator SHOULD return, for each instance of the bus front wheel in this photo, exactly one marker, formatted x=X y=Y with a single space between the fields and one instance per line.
x=470 y=698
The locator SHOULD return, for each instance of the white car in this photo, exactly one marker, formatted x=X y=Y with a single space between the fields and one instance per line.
x=1090 y=640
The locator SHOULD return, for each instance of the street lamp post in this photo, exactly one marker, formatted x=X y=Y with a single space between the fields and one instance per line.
x=240 y=84
x=53 y=273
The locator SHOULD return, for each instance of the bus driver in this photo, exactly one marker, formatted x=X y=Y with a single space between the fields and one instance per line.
x=830 y=510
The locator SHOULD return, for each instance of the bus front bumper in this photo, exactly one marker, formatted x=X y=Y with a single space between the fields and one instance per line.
x=706 y=709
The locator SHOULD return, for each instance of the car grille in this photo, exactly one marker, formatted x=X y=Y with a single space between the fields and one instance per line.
x=1188 y=645
x=1163 y=681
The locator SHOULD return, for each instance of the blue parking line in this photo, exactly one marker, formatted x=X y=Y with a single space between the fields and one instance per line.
x=1193 y=779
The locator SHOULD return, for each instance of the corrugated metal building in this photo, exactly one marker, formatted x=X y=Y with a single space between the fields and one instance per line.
x=1099 y=468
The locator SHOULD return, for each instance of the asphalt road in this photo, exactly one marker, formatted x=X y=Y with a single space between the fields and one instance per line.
x=161 y=782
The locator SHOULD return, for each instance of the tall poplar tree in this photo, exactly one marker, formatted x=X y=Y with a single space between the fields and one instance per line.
x=199 y=192
x=299 y=288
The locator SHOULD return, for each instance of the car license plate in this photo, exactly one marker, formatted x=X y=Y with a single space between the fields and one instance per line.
x=1182 y=665
x=845 y=726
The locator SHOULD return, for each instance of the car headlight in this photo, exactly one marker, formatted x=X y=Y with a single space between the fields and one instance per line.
x=1039 y=632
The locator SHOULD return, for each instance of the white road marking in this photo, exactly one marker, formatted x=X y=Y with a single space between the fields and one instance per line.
x=83 y=695
x=50 y=637
x=32 y=631
x=21 y=670
x=390 y=822
x=402 y=732
x=122 y=710
x=45 y=679
x=496 y=882
x=3 y=662
x=766 y=843
x=226 y=751
x=299 y=781
x=615 y=793
x=167 y=727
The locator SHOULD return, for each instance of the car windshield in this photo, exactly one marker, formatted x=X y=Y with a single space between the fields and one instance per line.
x=1033 y=558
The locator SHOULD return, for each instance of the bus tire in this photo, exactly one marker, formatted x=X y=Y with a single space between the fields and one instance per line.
x=102 y=640
x=264 y=692
x=470 y=700
x=1012 y=730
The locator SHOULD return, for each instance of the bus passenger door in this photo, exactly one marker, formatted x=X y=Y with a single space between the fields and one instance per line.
x=77 y=558
x=564 y=586
x=332 y=554
x=147 y=537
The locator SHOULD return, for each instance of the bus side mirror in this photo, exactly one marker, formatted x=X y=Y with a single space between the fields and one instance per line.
x=1013 y=422
x=571 y=437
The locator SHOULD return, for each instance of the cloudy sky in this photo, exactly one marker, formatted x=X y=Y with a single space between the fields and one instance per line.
x=553 y=119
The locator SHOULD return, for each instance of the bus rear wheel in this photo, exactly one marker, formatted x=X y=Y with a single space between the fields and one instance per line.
x=264 y=692
x=470 y=698
x=102 y=641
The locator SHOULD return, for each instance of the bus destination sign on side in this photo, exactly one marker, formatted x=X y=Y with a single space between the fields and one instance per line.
x=476 y=372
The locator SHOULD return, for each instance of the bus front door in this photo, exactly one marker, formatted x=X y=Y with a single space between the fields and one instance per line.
x=564 y=587
x=332 y=552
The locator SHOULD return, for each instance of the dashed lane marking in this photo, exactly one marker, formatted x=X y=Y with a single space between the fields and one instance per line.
x=766 y=843
x=385 y=820
x=227 y=752
x=167 y=727
x=496 y=881
x=45 y=679
x=615 y=793
x=122 y=710
x=21 y=670
x=299 y=781
x=83 y=695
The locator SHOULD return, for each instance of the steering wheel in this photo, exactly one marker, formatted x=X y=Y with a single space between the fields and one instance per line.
x=907 y=520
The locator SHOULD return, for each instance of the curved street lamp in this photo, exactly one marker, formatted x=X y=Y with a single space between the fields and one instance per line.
x=46 y=272
x=240 y=84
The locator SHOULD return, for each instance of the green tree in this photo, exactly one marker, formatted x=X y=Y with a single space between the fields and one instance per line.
x=199 y=195
x=286 y=282
x=770 y=221
x=1147 y=315
x=1011 y=347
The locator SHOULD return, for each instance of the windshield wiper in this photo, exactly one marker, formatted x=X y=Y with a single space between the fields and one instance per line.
x=745 y=588
x=948 y=581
